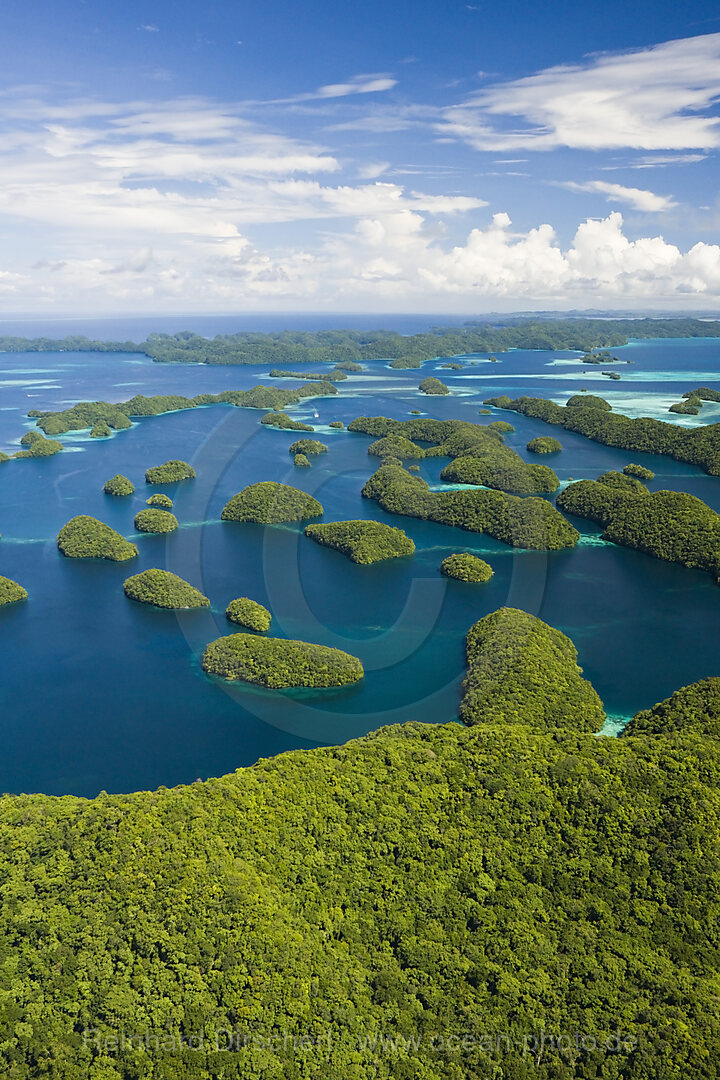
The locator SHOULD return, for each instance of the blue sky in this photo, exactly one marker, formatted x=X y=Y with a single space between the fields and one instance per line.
x=397 y=156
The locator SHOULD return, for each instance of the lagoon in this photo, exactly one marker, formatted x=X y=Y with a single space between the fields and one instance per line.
x=99 y=693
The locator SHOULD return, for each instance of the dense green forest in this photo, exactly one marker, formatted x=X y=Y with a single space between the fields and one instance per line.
x=270 y=503
x=278 y=663
x=479 y=455
x=349 y=347
x=518 y=899
x=670 y=525
x=363 y=541
x=85 y=537
x=163 y=589
x=592 y=417
x=522 y=522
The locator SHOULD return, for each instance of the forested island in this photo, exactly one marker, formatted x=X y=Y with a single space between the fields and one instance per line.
x=278 y=664
x=270 y=503
x=118 y=416
x=521 y=522
x=11 y=592
x=85 y=537
x=426 y=878
x=363 y=542
x=160 y=588
x=172 y=472
x=350 y=347
x=670 y=525
x=479 y=454
x=249 y=613
x=155 y=521
x=119 y=485
x=466 y=567
x=592 y=416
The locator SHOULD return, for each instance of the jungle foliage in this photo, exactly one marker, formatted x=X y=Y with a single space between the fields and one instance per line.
x=270 y=503
x=172 y=472
x=363 y=541
x=85 y=537
x=118 y=485
x=466 y=567
x=155 y=521
x=521 y=522
x=278 y=663
x=249 y=613
x=163 y=589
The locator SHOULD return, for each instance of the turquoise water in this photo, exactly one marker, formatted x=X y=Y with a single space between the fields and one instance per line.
x=99 y=693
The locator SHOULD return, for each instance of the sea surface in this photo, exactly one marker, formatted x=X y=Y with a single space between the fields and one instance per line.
x=97 y=692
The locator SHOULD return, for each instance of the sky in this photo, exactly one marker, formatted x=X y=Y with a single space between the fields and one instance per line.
x=395 y=156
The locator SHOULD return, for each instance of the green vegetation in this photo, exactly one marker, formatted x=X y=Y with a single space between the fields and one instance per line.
x=278 y=663
x=697 y=446
x=498 y=884
x=544 y=444
x=100 y=430
x=453 y=366
x=11 y=592
x=308 y=446
x=155 y=521
x=349 y=365
x=270 y=503
x=249 y=613
x=363 y=541
x=431 y=385
x=501 y=426
x=522 y=671
x=85 y=537
x=301 y=461
x=395 y=446
x=4 y=457
x=484 y=412
x=336 y=424
x=691 y=407
x=526 y=523
x=172 y=472
x=282 y=420
x=118 y=485
x=693 y=401
x=338 y=375
x=479 y=455
x=669 y=525
x=343 y=347
x=35 y=446
x=163 y=589
x=466 y=567
x=694 y=710
x=102 y=415
x=703 y=393
x=639 y=471
x=163 y=502
x=588 y=401
x=403 y=363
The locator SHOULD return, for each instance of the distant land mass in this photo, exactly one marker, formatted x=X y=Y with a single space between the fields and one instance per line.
x=336 y=345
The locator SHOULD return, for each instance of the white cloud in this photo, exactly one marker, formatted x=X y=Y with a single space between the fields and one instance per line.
x=357 y=84
x=650 y=99
x=149 y=28
x=636 y=198
x=177 y=205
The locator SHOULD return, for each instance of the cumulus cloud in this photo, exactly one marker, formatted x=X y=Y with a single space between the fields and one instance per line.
x=636 y=198
x=649 y=99
x=180 y=204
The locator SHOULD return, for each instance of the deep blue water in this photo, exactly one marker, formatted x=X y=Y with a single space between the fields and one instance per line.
x=99 y=693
